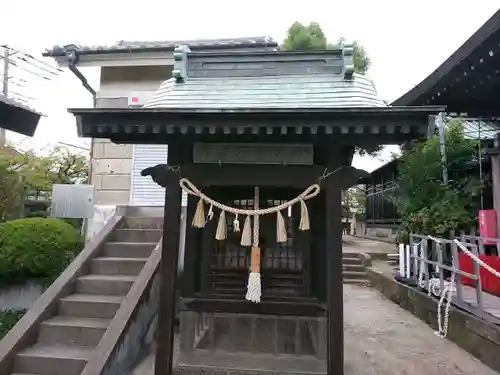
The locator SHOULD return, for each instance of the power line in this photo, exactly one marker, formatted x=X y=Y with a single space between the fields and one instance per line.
x=19 y=70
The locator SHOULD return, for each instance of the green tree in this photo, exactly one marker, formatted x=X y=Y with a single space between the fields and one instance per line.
x=302 y=37
x=425 y=203
x=11 y=186
x=67 y=167
x=353 y=203
x=24 y=174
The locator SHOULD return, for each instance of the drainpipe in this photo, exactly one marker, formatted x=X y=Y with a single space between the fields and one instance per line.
x=73 y=57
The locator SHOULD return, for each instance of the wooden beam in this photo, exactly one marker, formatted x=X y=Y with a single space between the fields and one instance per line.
x=207 y=175
x=295 y=306
x=169 y=261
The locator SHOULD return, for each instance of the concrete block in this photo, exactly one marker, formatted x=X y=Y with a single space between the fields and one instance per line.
x=112 y=196
x=112 y=150
x=111 y=166
x=115 y=182
x=98 y=150
x=96 y=180
x=102 y=140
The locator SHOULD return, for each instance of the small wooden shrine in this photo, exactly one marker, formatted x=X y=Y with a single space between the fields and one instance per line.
x=262 y=143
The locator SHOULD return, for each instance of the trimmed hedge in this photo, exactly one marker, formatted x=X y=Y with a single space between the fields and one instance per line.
x=8 y=319
x=36 y=248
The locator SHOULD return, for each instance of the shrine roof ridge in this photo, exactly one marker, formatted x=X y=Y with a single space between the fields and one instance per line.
x=188 y=64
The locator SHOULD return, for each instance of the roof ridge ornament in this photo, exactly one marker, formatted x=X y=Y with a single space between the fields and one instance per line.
x=348 y=59
x=180 y=63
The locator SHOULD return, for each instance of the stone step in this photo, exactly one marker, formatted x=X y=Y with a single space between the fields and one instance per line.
x=128 y=249
x=351 y=260
x=140 y=222
x=118 y=285
x=359 y=282
x=89 y=305
x=353 y=267
x=354 y=275
x=117 y=265
x=52 y=359
x=137 y=235
x=73 y=331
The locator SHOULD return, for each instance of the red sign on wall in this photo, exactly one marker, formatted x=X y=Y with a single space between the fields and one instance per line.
x=488 y=225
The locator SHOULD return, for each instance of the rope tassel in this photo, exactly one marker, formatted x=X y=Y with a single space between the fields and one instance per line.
x=281 y=232
x=221 y=232
x=254 y=288
x=304 y=217
x=246 y=235
x=199 y=215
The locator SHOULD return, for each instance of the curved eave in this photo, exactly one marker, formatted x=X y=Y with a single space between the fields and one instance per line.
x=465 y=81
x=147 y=125
x=18 y=118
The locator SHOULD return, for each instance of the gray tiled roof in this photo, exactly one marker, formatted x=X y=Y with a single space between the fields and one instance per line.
x=481 y=129
x=14 y=103
x=141 y=46
x=280 y=91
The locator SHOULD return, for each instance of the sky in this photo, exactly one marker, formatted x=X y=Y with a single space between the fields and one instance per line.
x=405 y=40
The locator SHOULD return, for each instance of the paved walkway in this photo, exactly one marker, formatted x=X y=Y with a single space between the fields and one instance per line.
x=351 y=244
x=383 y=339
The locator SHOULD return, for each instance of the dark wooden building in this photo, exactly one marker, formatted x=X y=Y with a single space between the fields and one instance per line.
x=17 y=117
x=280 y=121
x=380 y=190
x=467 y=84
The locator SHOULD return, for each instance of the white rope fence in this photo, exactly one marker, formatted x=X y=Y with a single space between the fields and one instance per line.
x=449 y=289
x=254 y=284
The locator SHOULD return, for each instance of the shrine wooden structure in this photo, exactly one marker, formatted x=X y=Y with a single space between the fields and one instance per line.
x=274 y=120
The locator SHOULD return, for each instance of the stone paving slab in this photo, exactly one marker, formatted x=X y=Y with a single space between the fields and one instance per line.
x=383 y=339
x=352 y=244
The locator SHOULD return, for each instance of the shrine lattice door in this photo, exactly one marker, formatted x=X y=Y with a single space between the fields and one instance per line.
x=283 y=265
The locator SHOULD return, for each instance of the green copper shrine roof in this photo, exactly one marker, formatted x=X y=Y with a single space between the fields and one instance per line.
x=286 y=91
x=313 y=79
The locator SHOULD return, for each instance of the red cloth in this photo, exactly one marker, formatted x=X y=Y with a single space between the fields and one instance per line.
x=489 y=282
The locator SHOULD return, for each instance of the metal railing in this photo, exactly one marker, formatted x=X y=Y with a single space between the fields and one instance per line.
x=429 y=259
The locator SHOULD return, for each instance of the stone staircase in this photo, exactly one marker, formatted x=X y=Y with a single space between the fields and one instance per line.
x=393 y=260
x=67 y=339
x=353 y=270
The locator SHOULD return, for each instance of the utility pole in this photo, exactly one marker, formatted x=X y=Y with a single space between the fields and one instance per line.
x=442 y=145
x=5 y=87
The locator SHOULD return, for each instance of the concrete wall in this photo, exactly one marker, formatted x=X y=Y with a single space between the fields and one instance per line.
x=20 y=296
x=112 y=163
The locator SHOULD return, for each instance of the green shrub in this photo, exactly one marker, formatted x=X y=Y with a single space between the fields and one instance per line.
x=8 y=319
x=36 y=248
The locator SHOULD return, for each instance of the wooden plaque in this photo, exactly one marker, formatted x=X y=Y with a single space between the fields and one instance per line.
x=253 y=153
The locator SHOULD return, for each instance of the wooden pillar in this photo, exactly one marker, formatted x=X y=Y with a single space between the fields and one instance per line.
x=333 y=243
x=168 y=267
x=335 y=298
x=190 y=277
